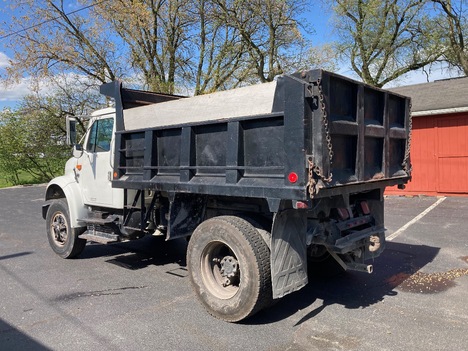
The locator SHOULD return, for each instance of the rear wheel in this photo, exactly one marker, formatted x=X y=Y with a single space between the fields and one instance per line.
x=62 y=238
x=229 y=267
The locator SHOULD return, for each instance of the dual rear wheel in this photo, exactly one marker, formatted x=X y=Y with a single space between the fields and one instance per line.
x=229 y=268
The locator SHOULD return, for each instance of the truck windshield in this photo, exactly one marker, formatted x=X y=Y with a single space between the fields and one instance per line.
x=100 y=135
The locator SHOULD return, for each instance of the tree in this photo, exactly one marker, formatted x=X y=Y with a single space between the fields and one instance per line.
x=323 y=56
x=201 y=45
x=29 y=145
x=385 y=39
x=220 y=60
x=9 y=165
x=270 y=30
x=453 y=26
x=54 y=41
x=208 y=44
x=154 y=34
x=33 y=137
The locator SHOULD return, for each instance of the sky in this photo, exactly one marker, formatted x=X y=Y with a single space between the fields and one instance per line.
x=318 y=16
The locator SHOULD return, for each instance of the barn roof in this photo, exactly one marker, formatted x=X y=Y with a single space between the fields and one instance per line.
x=439 y=97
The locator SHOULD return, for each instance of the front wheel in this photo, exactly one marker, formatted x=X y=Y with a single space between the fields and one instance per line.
x=63 y=239
x=229 y=268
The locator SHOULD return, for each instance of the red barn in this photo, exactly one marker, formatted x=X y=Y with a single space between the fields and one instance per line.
x=439 y=148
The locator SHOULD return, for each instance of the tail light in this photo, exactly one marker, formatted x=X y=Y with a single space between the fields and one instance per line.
x=343 y=213
x=365 y=208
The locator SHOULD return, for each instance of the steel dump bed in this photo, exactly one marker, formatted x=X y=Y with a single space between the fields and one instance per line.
x=313 y=134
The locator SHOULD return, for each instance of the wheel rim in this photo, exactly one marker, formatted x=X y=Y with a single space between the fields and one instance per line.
x=220 y=270
x=59 y=229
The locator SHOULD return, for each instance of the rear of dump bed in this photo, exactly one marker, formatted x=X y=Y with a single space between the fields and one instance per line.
x=360 y=134
x=323 y=135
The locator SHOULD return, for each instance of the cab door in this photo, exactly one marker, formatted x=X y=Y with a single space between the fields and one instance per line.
x=96 y=166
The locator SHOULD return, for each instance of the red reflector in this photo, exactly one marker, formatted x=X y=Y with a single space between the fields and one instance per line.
x=365 y=208
x=343 y=213
x=301 y=204
x=293 y=177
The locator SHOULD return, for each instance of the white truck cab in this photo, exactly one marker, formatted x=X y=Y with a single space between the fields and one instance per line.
x=85 y=185
x=92 y=162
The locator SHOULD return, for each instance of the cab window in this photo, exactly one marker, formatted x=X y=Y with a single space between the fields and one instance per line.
x=100 y=135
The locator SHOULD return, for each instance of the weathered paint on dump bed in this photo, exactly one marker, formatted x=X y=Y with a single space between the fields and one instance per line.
x=323 y=131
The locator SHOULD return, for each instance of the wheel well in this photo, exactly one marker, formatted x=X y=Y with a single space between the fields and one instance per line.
x=252 y=208
x=54 y=192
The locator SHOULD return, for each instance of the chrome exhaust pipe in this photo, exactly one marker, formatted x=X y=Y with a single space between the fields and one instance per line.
x=352 y=266
x=360 y=267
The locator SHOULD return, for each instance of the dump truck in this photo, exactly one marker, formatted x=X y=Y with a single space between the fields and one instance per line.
x=267 y=182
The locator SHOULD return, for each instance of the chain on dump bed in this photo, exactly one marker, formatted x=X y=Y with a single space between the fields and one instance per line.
x=325 y=123
x=406 y=161
x=313 y=168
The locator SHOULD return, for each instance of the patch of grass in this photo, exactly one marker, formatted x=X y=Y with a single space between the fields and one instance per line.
x=25 y=178
x=3 y=183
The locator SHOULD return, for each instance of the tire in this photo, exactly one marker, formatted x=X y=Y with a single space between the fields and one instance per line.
x=262 y=227
x=234 y=244
x=62 y=238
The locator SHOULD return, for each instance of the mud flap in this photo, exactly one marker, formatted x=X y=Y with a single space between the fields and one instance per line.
x=186 y=212
x=288 y=252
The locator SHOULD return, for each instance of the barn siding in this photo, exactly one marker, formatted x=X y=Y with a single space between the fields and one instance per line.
x=439 y=154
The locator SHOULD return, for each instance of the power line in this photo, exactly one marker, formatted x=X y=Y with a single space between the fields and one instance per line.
x=50 y=20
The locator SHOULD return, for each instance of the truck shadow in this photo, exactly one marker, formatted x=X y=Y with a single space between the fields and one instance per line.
x=140 y=253
x=11 y=338
x=353 y=289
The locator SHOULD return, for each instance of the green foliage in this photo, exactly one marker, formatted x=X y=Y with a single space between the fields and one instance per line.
x=33 y=143
x=32 y=148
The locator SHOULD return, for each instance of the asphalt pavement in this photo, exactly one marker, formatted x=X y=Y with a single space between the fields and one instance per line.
x=136 y=296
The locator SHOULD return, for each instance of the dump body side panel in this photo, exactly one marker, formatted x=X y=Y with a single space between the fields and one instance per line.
x=238 y=158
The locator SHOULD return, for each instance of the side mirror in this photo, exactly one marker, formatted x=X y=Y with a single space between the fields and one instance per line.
x=77 y=150
x=71 y=131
